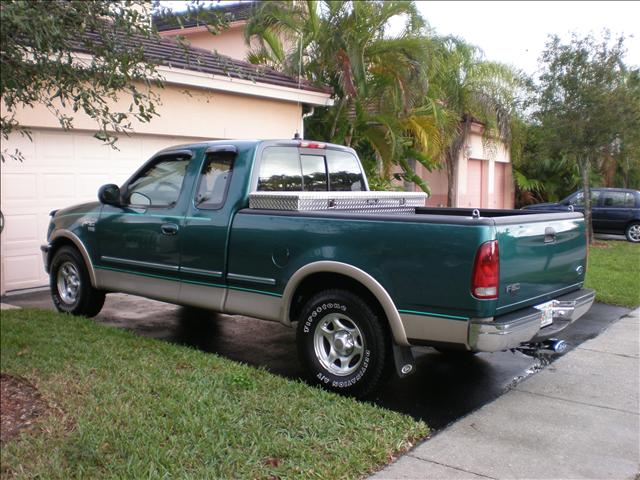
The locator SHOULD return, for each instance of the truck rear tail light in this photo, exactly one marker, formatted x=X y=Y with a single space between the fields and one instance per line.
x=312 y=145
x=486 y=271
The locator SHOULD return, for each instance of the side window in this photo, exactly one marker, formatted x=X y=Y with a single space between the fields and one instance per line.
x=214 y=180
x=614 y=199
x=579 y=198
x=280 y=170
x=629 y=200
x=314 y=173
x=159 y=184
x=344 y=172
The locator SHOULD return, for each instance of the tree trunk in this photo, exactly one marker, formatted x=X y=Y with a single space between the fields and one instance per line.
x=586 y=189
x=451 y=164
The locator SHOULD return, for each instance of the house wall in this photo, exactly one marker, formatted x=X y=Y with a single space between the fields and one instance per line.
x=484 y=176
x=478 y=184
x=229 y=42
x=195 y=113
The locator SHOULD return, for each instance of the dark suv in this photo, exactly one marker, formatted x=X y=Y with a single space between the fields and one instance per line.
x=615 y=210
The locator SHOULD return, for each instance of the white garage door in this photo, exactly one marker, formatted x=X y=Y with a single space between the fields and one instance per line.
x=59 y=169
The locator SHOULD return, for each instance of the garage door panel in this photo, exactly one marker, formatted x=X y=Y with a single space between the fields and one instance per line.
x=22 y=271
x=58 y=185
x=88 y=147
x=88 y=184
x=19 y=228
x=474 y=183
x=54 y=146
x=129 y=147
x=17 y=186
x=499 y=185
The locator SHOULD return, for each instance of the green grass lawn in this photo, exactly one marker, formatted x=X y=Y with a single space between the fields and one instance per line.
x=124 y=406
x=614 y=272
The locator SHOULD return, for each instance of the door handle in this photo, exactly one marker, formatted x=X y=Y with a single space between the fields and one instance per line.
x=169 y=229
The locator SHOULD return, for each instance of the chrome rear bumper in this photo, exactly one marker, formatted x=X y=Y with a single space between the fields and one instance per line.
x=509 y=331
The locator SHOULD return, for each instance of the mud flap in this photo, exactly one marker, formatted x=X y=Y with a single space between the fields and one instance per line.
x=403 y=358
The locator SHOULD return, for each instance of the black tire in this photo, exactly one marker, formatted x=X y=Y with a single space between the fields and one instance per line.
x=353 y=326
x=633 y=232
x=79 y=297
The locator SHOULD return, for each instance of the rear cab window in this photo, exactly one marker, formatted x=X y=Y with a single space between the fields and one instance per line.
x=214 y=180
x=293 y=169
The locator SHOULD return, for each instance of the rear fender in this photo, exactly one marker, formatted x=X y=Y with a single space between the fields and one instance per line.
x=377 y=290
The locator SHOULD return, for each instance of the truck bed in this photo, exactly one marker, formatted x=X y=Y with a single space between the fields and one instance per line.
x=423 y=258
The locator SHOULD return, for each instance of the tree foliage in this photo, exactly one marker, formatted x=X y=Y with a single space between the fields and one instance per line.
x=473 y=89
x=41 y=41
x=402 y=99
x=587 y=105
x=380 y=81
x=81 y=56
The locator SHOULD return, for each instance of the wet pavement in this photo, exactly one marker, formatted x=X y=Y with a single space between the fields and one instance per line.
x=442 y=389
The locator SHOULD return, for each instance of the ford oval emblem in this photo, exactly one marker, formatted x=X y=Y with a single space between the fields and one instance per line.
x=406 y=368
x=580 y=270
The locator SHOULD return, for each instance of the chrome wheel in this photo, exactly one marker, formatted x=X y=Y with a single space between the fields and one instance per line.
x=68 y=282
x=633 y=232
x=338 y=344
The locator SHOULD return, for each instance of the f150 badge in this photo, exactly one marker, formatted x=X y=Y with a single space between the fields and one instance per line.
x=512 y=288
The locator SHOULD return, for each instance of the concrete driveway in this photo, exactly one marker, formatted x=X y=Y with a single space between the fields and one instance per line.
x=442 y=390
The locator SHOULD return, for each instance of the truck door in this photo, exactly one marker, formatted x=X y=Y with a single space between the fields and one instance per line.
x=139 y=241
x=204 y=235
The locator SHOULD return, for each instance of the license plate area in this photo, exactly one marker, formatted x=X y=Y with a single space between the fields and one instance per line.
x=547 y=310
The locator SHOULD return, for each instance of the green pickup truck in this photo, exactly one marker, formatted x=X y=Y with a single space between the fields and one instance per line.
x=288 y=231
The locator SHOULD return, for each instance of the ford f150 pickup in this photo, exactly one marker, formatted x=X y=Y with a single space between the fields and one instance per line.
x=288 y=231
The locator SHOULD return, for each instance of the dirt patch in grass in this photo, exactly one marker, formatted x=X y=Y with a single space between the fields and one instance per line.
x=20 y=406
x=602 y=244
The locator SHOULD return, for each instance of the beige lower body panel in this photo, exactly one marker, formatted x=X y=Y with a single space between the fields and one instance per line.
x=202 y=296
x=240 y=302
x=231 y=301
x=435 y=329
x=150 y=287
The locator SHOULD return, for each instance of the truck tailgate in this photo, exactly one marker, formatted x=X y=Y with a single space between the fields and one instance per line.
x=541 y=257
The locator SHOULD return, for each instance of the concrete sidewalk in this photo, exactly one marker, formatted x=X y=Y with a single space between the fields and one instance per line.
x=578 y=418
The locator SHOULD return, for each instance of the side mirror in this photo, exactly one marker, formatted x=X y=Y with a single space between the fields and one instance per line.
x=109 y=194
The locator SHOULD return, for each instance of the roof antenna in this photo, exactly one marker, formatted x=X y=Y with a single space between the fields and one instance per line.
x=296 y=136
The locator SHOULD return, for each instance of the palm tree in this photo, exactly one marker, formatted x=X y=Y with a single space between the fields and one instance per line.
x=473 y=90
x=379 y=80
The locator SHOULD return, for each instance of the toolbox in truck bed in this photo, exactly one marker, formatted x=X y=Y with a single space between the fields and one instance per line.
x=374 y=202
